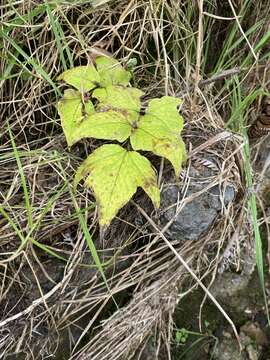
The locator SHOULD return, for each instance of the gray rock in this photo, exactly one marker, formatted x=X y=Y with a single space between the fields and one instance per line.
x=239 y=293
x=198 y=215
x=228 y=349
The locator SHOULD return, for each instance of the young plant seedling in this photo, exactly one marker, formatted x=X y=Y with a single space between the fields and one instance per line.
x=113 y=172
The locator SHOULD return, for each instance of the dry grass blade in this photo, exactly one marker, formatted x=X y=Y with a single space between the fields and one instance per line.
x=53 y=298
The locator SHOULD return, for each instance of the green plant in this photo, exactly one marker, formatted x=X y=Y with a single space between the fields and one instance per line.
x=104 y=106
x=191 y=342
x=181 y=336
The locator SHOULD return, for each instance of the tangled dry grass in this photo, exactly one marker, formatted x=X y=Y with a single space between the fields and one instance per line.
x=54 y=301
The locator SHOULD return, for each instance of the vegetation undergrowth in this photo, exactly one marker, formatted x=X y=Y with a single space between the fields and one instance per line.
x=56 y=274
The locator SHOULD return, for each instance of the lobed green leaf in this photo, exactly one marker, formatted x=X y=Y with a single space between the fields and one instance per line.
x=159 y=131
x=114 y=174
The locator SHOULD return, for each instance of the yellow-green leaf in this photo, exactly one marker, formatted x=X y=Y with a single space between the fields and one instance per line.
x=107 y=125
x=159 y=131
x=80 y=120
x=111 y=72
x=88 y=108
x=114 y=174
x=70 y=111
x=120 y=98
x=83 y=78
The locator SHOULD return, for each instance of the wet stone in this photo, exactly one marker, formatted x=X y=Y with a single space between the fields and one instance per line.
x=198 y=214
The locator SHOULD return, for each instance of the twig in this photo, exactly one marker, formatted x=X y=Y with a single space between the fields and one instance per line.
x=224 y=135
x=220 y=76
x=216 y=77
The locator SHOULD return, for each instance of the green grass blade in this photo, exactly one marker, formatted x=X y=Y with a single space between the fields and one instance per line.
x=88 y=236
x=48 y=250
x=32 y=226
x=65 y=46
x=253 y=207
x=24 y=240
x=31 y=62
x=241 y=107
x=12 y=224
x=55 y=28
x=23 y=180
x=232 y=42
x=89 y=239
x=6 y=73
x=23 y=19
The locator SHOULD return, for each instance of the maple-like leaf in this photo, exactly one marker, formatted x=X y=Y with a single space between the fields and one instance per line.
x=159 y=131
x=114 y=174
